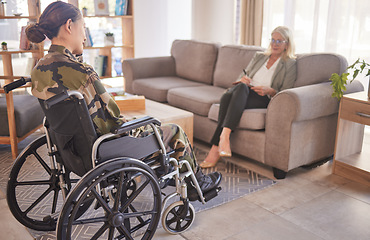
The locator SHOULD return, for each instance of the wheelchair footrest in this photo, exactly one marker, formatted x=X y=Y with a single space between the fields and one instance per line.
x=211 y=194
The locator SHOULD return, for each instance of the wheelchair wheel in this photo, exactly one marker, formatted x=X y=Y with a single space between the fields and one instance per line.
x=33 y=191
x=177 y=218
x=133 y=213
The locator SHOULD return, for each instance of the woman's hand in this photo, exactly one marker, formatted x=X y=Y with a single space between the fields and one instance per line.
x=263 y=91
x=246 y=80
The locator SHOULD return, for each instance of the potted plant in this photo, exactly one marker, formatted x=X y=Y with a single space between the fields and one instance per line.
x=339 y=82
x=109 y=39
x=4 y=46
x=84 y=11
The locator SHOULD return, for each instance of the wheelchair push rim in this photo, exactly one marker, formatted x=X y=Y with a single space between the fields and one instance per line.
x=123 y=217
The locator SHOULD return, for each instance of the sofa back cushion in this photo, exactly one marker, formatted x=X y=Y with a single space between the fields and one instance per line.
x=315 y=68
x=231 y=61
x=195 y=60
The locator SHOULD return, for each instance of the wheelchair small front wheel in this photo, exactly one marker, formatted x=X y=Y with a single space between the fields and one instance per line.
x=177 y=217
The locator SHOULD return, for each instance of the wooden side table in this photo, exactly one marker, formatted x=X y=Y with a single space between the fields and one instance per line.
x=352 y=154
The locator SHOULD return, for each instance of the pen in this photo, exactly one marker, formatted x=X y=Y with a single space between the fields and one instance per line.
x=245 y=73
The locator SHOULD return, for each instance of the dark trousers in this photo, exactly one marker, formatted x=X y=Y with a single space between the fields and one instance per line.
x=232 y=104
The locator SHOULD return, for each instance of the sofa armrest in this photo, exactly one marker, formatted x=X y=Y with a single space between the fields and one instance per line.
x=137 y=68
x=292 y=106
x=306 y=103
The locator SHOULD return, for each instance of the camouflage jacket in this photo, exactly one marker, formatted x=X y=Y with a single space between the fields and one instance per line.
x=61 y=70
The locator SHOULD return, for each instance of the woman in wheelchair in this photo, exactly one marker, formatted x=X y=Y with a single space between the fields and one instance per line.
x=63 y=69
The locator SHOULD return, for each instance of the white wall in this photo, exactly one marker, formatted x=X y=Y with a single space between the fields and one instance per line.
x=213 y=21
x=158 y=23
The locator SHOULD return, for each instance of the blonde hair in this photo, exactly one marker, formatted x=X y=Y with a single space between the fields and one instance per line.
x=287 y=34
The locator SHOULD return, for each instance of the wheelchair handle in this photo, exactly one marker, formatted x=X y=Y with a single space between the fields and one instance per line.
x=61 y=97
x=16 y=84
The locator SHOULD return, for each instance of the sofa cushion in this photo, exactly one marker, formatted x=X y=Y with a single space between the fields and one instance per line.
x=27 y=111
x=157 y=88
x=195 y=60
x=231 y=61
x=195 y=99
x=252 y=119
x=323 y=64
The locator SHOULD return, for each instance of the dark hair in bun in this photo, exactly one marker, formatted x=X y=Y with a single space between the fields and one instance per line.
x=54 y=16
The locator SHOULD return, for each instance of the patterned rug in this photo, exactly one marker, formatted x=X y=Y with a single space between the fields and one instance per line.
x=236 y=181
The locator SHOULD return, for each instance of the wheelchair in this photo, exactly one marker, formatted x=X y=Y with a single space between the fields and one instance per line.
x=110 y=187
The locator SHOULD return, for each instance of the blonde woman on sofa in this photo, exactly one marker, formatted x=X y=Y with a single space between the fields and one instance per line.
x=267 y=74
x=62 y=70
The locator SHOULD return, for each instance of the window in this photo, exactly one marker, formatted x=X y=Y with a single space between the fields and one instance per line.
x=337 y=26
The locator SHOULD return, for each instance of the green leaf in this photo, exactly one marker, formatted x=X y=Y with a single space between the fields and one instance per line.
x=355 y=73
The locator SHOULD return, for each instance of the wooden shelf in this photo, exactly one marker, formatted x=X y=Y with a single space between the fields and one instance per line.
x=108 y=47
x=12 y=77
x=18 y=17
x=15 y=51
x=108 y=16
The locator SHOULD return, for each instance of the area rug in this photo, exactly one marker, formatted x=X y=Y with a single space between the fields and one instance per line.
x=236 y=181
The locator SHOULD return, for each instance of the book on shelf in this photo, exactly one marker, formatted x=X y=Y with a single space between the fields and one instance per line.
x=101 y=7
x=24 y=43
x=89 y=41
x=121 y=7
x=100 y=65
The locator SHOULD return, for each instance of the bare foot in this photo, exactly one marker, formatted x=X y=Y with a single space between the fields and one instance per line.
x=211 y=159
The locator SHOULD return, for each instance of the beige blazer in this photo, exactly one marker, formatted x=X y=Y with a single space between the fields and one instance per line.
x=285 y=73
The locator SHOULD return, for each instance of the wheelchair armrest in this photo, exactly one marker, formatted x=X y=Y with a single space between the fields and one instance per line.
x=128 y=126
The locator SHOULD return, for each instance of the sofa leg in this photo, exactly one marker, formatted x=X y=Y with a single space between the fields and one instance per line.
x=279 y=174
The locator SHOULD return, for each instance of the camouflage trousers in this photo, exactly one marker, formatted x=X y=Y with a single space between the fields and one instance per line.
x=175 y=139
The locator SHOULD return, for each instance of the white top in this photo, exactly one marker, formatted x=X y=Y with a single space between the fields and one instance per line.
x=263 y=76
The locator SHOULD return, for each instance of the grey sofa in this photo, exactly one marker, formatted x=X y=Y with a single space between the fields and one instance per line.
x=298 y=127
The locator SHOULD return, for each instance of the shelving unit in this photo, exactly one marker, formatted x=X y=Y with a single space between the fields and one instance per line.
x=9 y=77
x=34 y=10
x=127 y=45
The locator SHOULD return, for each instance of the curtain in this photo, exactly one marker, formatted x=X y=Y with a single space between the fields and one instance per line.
x=251 y=20
x=336 y=26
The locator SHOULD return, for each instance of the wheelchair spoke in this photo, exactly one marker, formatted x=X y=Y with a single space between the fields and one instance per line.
x=31 y=183
x=172 y=220
x=74 y=180
x=141 y=220
x=102 y=202
x=138 y=214
x=100 y=231
x=38 y=200
x=111 y=233
x=119 y=192
x=135 y=194
x=124 y=232
x=178 y=225
x=41 y=161
x=90 y=220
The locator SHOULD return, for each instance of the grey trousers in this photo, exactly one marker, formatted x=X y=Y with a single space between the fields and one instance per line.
x=232 y=104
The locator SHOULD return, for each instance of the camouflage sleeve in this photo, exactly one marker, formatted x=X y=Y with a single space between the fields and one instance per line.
x=112 y=117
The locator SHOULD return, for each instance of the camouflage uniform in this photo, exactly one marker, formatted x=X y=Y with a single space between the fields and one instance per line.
x=60 y=70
